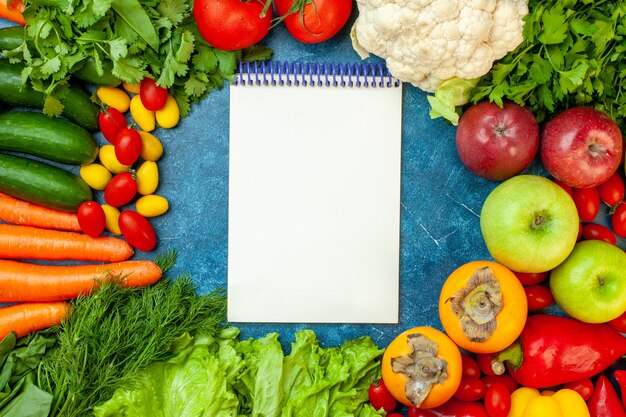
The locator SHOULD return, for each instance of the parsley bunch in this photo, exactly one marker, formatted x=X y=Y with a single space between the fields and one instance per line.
x=131 y=38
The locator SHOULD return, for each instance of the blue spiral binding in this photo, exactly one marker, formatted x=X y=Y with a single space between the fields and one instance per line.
x=315 y=74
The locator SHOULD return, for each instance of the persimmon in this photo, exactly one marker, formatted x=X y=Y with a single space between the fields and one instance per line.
x=422 y=367
x=483 y=307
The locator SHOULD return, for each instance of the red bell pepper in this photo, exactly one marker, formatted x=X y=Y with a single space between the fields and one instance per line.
x=554 y=350
x=604 y=401
x=620 y=377
x=451 y=408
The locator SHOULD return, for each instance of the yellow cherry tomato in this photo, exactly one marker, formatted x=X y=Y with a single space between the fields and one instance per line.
x=409 y=355
x=147 y=178
x=169 y=115
x=112 y=215
x=483 y=307
x=114 y=97
x=142 y=116
x=96 y=176
x=151 y=149
x=109 y=160
x=152 y=205
x=131 y=88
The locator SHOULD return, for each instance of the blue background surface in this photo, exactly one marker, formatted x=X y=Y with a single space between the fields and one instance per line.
x=440 y=204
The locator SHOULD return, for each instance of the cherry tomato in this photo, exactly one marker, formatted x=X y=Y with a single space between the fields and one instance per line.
x=395 y=415
x=618 y=220
x=564 y=186
x=153 y=97
x=315 y=22
x=619 y=323
x=420 y=412
x=531 y=278
x=137 y=230
x=232 y=24
x=120 y=190
x=111 y=121
x=484 y=363
x=538 y=297
x=580 y=232
x=380 y=397
x=582 y=386
x=471 y=389
x=587 y=203
x=470 y=367
x=612 y=191
x=128 y=146
x=593 y=231
x=504 y=379
x=497 y=400
x=91 y=218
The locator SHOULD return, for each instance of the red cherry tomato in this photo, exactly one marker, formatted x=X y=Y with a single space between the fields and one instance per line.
x=497 y=400
x=587 y=202
x=395 y=415
x=583 y=386
x=618 y=220
x=128 y=146
x=91 y=218
x=504 y=379
x=531 y=278
x=316 y=22
x=137 y=230
x=619 y=323
x=420 y=412
x=120 y=190
x=593 y=231
x=564 y=186
x=538 y=297
x=380 y=397
x=580 y=232
x=153 y=97
x=111 y=121
x=471 y=389
x=484 y=362
x=612 y=191
x=470 y=368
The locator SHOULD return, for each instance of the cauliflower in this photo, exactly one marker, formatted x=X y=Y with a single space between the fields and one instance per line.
x=426 y=42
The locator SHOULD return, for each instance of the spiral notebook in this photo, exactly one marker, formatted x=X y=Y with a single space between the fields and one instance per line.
x=314 y=194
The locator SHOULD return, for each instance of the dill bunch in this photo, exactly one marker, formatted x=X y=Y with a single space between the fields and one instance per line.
x=117 y=331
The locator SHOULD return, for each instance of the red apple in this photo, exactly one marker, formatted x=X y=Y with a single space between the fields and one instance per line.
x=496 y=143
x=581 y=147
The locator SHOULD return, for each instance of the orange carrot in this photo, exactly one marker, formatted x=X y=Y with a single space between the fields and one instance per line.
x=12 y=10
x=24 y=213
x=29 y=317
x=30 y=282
x=24 y=242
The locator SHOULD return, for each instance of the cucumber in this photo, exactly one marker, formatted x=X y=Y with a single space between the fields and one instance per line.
x=12 y=37
x=55 y=139
x=41 y=183
x=78 y=106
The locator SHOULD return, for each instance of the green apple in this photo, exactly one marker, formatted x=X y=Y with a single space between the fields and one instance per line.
x=590 y=285
x=529 y=223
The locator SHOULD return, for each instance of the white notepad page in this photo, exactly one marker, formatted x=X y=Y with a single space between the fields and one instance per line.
x=314 y=204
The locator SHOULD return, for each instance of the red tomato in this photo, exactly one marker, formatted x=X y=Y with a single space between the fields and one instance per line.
x=316 y=21
x=583 y=386
x=120 y=190
x=469 y=366
x=137 y=230
x=538 y=297
x=587 y=203
x=153 y=97
x=531 y=278
x=128 y=146
x=471 y=389
x=612 y=191
x=111 y=121
x=395 y=415
x=504 y=379
x=420 y=412
x=380 y=397
x=564 y=186
x=618 y=220
x=593 y=231
x=619 y=323
x=498 y=400
x=484 y=362
x=91 y=218
x=232 y=24
x=580 y=232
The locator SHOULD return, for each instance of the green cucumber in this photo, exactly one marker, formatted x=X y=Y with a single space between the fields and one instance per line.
x=78 y=105
x=11 y=37
x=41 y=183
x=51 y=138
